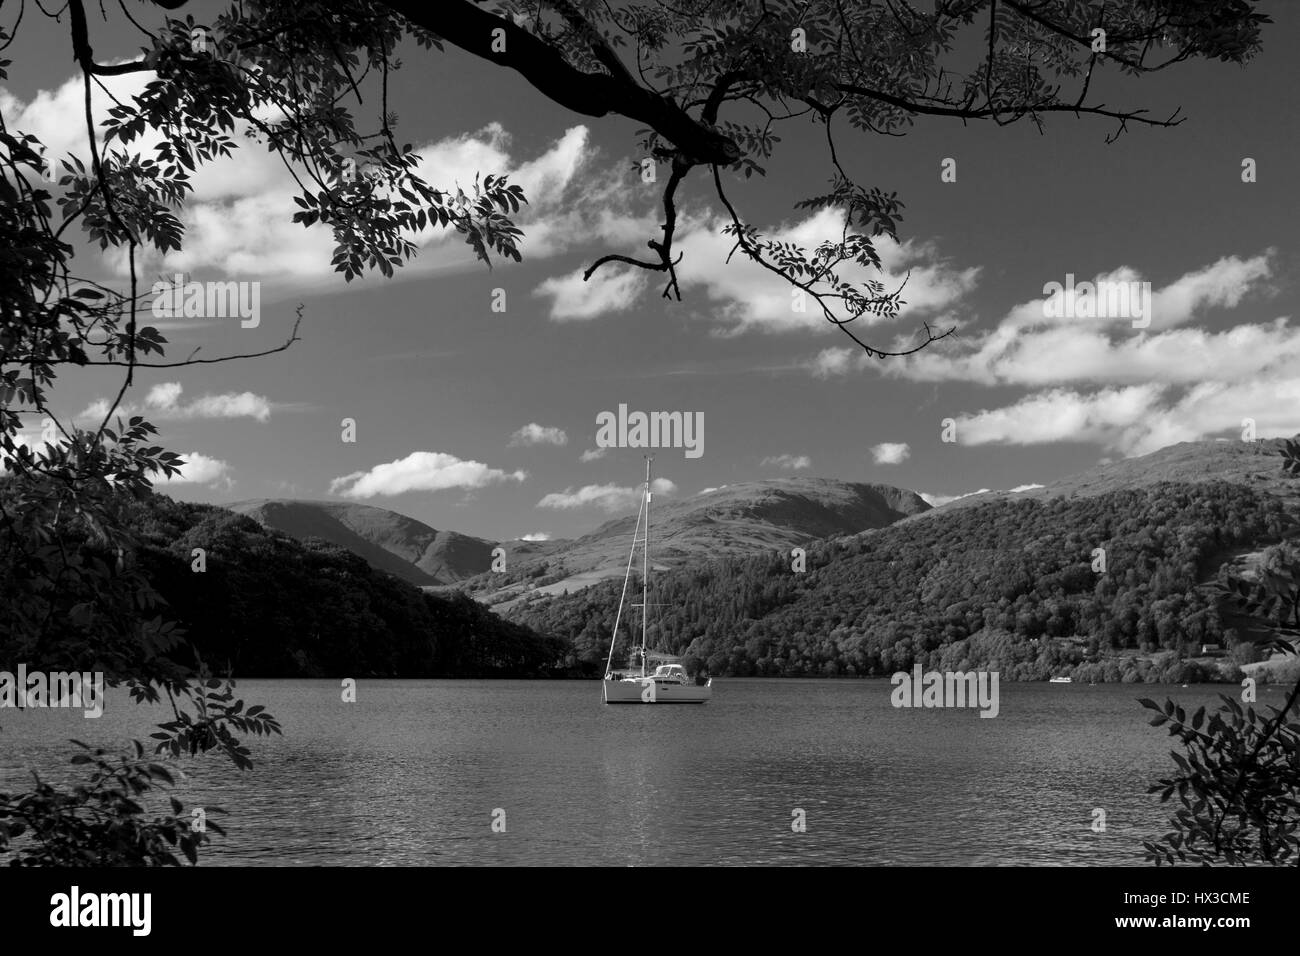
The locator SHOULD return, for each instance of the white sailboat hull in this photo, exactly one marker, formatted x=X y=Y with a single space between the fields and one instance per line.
x=647 y=690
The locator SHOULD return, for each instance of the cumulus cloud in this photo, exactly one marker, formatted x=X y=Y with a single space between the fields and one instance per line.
x=420 y=471
x=569 y=197
x=608 y=290
x=788 y=462
x=610 y=498
x=535 y=434
x=163 y=402
x=1106 y=350
x=33 y=436
x=197 y=470
x=594 y=454
x=239 y=218
x=1102 y=381
x=1109 y=350
x=746 y=296
x=536 y=536
x=1138 y=419
x=891 y=453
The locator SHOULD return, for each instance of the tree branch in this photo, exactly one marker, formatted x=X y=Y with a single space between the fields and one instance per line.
x=469 y=27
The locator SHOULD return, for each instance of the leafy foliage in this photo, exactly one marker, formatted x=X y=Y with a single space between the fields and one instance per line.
x=1238 y=785
x=101 y=822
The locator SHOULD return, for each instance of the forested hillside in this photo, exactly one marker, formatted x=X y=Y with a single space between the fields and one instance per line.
x=736 y=519
x=267 y=605
x=1007 y=585
x=387 y=540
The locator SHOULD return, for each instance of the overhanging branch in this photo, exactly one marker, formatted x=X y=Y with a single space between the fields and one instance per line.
x=469 y=27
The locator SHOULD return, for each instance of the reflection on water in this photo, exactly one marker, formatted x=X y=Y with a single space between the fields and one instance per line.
x=413 y=771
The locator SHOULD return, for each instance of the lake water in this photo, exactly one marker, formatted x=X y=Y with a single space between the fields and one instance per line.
x=413 y=771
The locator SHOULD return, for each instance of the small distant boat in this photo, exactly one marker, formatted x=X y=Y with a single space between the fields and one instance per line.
x=1061 y=680
x=669 y=684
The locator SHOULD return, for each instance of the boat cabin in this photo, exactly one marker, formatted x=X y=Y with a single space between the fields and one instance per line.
x=670 y=672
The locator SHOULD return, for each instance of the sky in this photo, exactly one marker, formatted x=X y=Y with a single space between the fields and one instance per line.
x=485 y=422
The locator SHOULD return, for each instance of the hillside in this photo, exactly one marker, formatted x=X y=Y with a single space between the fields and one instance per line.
x=1001 y=581
x=388 y=541
x=1255 y=464
x=739 y=519
x=268 y=605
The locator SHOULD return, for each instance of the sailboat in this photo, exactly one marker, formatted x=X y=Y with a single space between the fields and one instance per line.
x=668 y=683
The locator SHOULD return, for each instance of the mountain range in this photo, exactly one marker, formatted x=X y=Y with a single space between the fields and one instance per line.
x=731 y=520
x=1007 y=579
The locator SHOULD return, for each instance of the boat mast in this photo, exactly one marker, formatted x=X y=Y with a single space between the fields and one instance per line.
x=645 y=564
x=643 y=508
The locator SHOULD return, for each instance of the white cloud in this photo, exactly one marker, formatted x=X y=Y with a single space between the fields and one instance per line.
x=163 y=402
x=609 y=290
x=536 y=536
x=535 y=434
x=747 y=296
x=420 y=471
x=570 y=200
x=1061 y=415
x=239 y=218
x=1138 y=419
x=31 y=436
x=610 y=498
x=197 y=470
x=1102 y=381
x=788 y=462
x=253 y=233
x=1030 y=487
x=1108 y=350
x=832 y=361
x=1222 y=284
x=594 y=454
x=891 y=453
